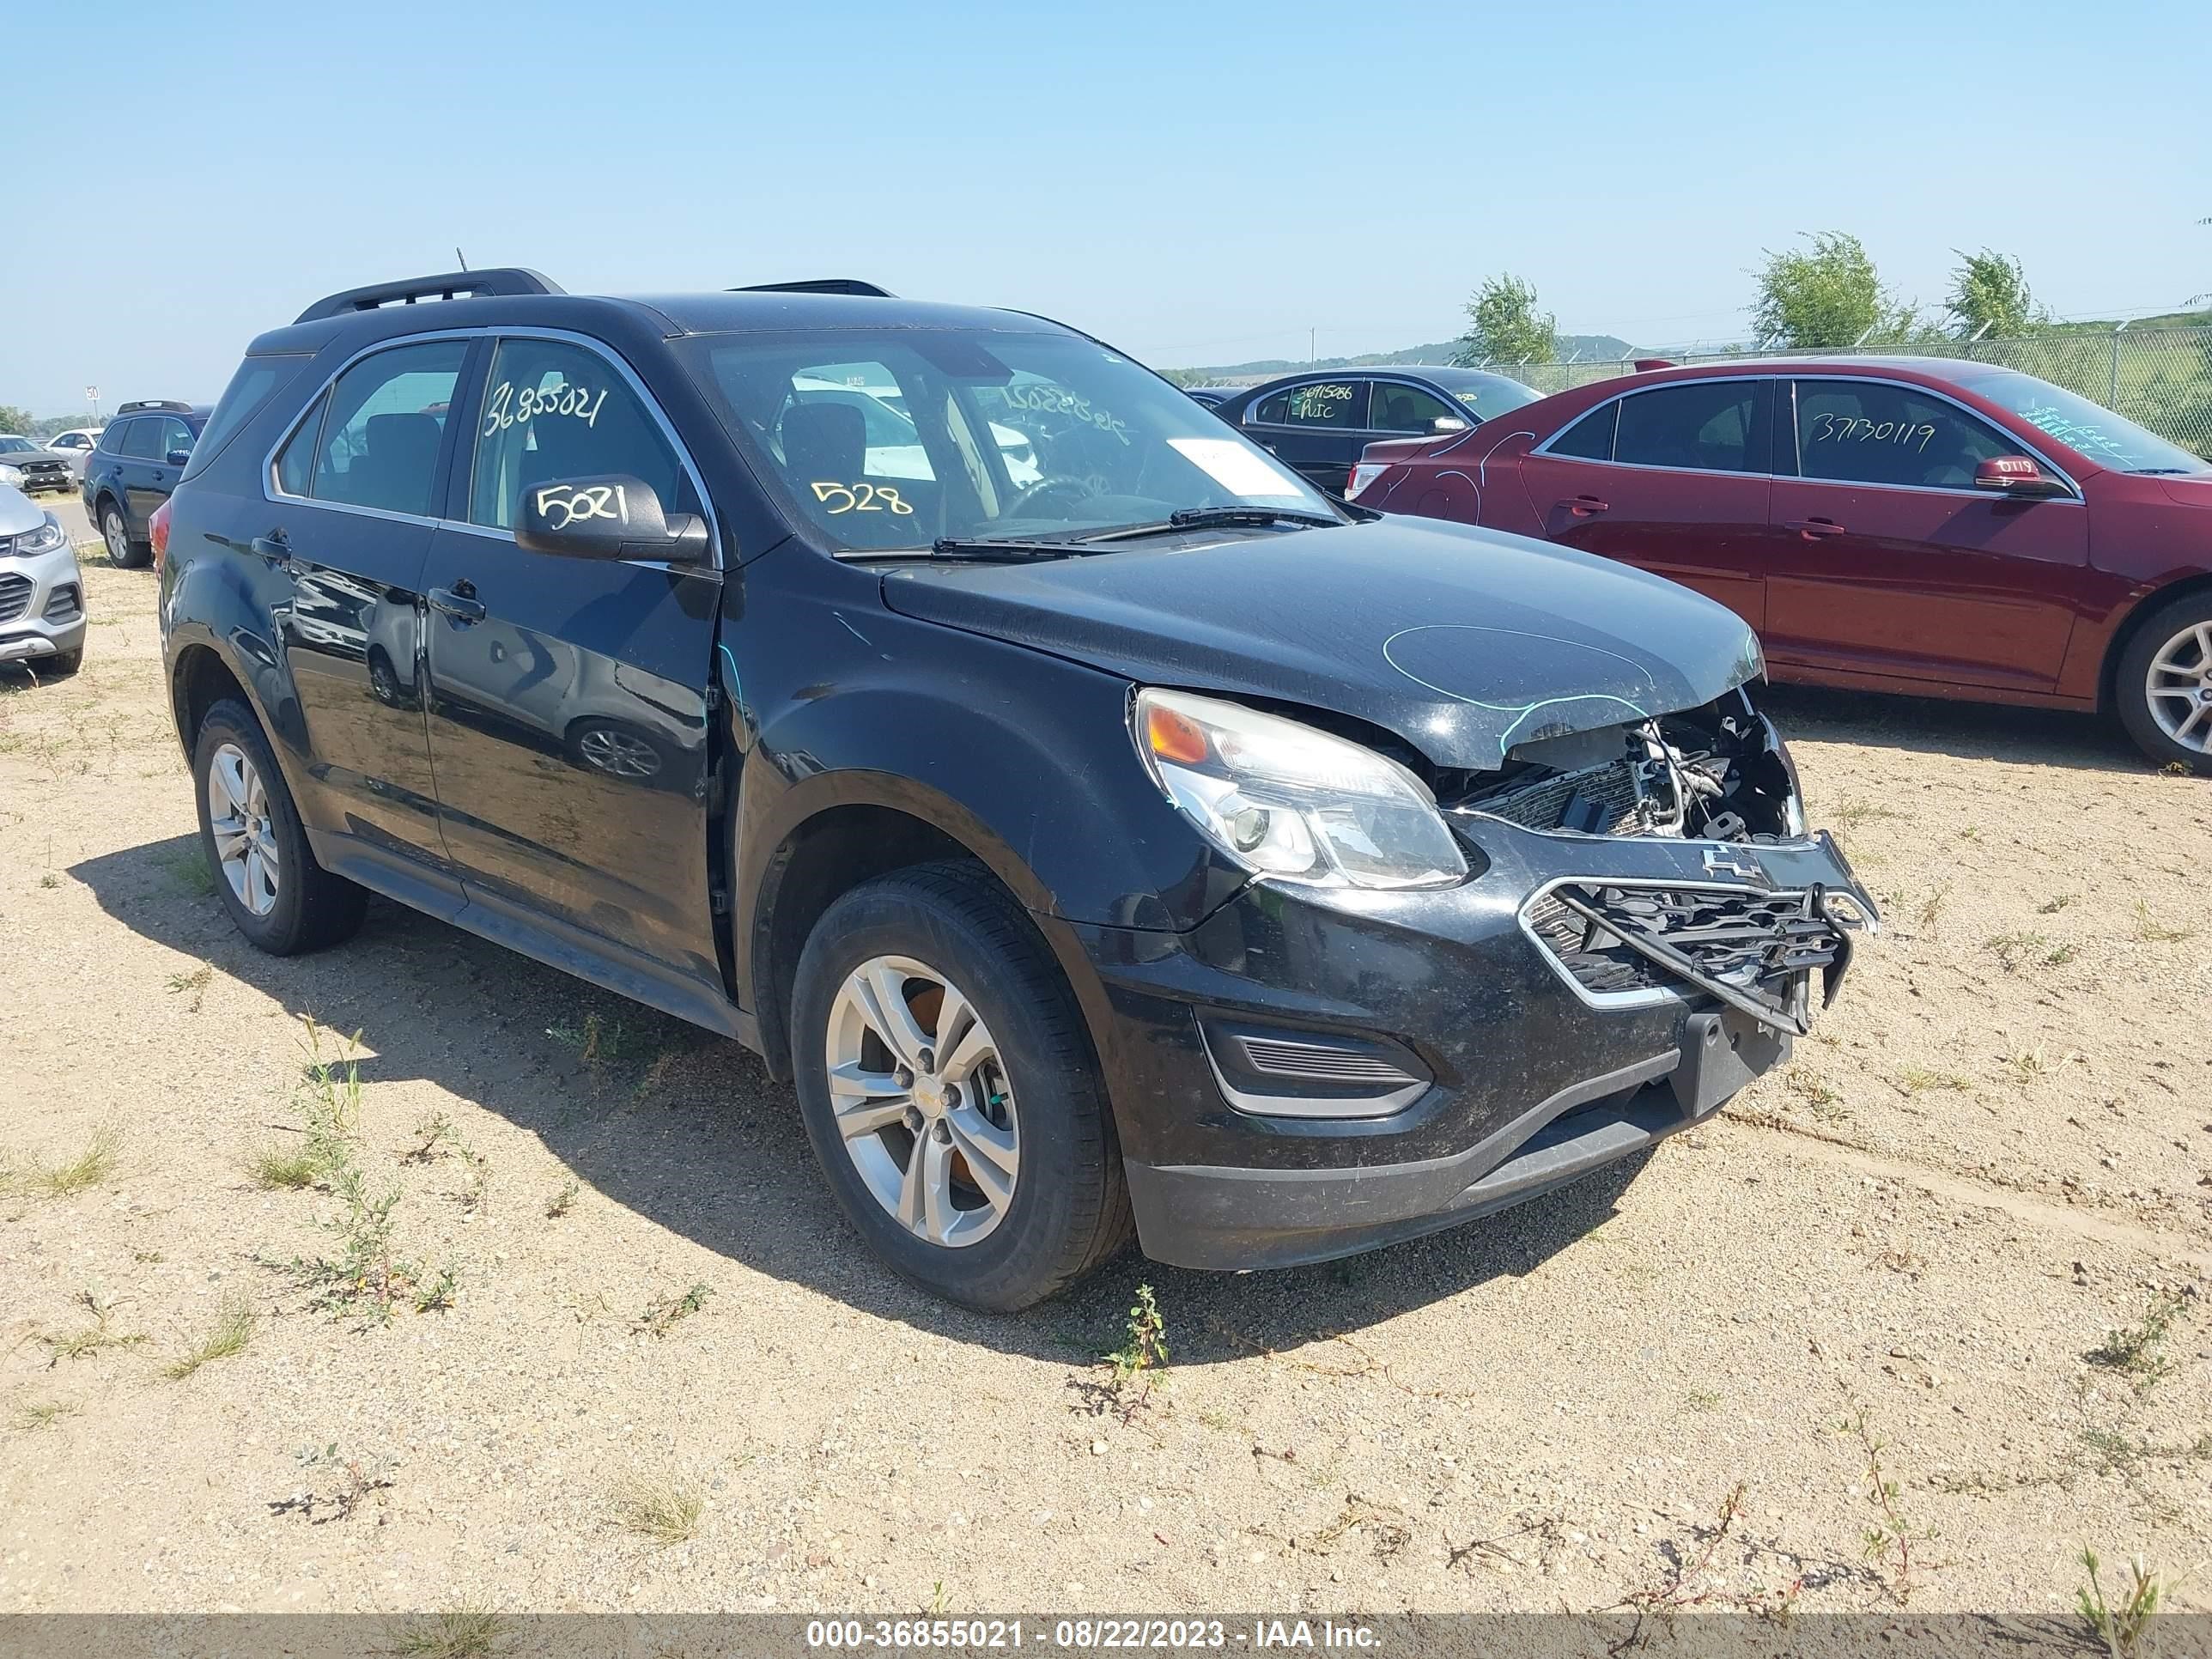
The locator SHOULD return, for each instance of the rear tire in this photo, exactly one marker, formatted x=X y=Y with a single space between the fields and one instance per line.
x=285 y=904
x=2163 y=685
x=1064 y=1208
x=115 y=530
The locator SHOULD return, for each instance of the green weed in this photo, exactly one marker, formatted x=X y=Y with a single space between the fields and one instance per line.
x=232 y=1330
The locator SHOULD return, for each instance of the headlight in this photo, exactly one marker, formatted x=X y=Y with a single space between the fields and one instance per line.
x=1286 y=801
x=11 y=477
x=44 y=539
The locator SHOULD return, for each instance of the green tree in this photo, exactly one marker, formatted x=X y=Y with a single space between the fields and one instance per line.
x=1990 y=297
x=14 y=420
x=1507 y=328
x=1827 y=298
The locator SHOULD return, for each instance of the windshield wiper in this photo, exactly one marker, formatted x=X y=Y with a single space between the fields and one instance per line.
x=1010 y=549
x=1217 y=518
x=2166 y=471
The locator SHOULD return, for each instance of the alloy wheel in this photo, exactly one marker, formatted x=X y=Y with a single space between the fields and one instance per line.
x=117 y=535
x=2179 y=686
x=618 y=753
x=922 y=1100
x=244 y=836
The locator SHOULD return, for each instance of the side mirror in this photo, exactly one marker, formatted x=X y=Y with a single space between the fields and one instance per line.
x=613 y=516
x=179 y=456
x=2015 y=475
x=1448 y=423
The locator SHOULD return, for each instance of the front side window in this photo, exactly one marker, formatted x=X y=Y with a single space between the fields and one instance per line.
x=1878 y=432
x=889 y=438
x=2089 y=430
x=382 y=430
x=141 y=439
x=553 y=410
x=172 y=436
x=1704 y=425
x=1409 y=409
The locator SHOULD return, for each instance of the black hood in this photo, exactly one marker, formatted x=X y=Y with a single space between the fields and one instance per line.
x=1464 y=643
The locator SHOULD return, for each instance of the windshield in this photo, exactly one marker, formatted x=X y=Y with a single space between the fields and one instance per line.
x=892 y=439
x=1487 y=395
x=2091 y=429
x=15 y=446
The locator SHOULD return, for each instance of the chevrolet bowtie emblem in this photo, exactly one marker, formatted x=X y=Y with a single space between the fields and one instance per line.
x=1746 y=868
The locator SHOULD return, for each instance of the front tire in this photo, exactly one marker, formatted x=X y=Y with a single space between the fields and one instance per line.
x=2163 y=685
x=115 y=530
x=278 y=897
x=948 y=1084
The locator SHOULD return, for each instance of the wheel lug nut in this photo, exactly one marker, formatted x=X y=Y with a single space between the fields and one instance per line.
x=928 y=1060
x=904 y=1076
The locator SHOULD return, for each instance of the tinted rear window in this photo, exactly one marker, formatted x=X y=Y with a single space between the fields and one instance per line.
x=258 y=380
x=1704 y=426
x=142 y=440
x=1589 y=439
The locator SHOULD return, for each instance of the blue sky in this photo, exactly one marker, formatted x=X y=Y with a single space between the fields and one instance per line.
x=1198 y=183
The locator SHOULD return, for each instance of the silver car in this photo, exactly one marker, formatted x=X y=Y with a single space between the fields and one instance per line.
x=41 y=589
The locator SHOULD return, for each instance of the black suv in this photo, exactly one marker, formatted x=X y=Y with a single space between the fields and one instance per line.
x=1102 y=828
x=141 y=455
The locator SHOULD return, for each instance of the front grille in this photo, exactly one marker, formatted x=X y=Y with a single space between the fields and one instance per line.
x=14 y=597
x=62 y=606
x=1752 y=950
x=1598 y=799
x=44 y=472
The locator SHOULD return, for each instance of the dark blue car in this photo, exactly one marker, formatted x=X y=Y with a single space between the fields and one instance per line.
x=1318 y=421
x=138 y=462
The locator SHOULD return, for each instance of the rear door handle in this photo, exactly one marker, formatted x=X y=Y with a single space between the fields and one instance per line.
x=1585 y=506
x=277 y=551
x=1813 y=529
x=463 y=608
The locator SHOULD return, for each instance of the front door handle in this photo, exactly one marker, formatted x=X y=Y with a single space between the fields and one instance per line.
x=1814 y=530
x=1586 y=506
x=462 y=607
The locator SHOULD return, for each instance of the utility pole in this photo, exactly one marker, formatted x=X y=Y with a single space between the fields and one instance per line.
x=1313 y=346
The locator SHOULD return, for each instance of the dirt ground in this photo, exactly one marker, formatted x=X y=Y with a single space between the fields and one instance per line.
x=1970 y=1228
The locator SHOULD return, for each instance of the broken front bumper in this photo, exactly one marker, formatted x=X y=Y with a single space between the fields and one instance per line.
x=1546 y=1053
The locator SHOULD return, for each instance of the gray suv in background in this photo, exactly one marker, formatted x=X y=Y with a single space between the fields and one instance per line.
x=41 y=592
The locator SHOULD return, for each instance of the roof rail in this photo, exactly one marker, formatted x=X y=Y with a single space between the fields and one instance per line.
x=502 y=280
x=820 y=285
x=153 y=402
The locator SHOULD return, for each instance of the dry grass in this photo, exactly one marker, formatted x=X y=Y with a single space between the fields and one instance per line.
x=661 y=1507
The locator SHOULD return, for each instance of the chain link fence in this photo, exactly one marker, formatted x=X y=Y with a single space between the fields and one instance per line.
x=2159 y=378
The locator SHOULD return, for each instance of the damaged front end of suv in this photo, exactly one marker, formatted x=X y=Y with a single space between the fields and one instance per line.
x=1718 y=775
x=1642 y=926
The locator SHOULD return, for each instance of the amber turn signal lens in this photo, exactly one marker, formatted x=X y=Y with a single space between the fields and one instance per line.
x=1174 y=736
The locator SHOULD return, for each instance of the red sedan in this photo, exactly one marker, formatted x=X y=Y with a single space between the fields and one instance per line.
x=1944 y=528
